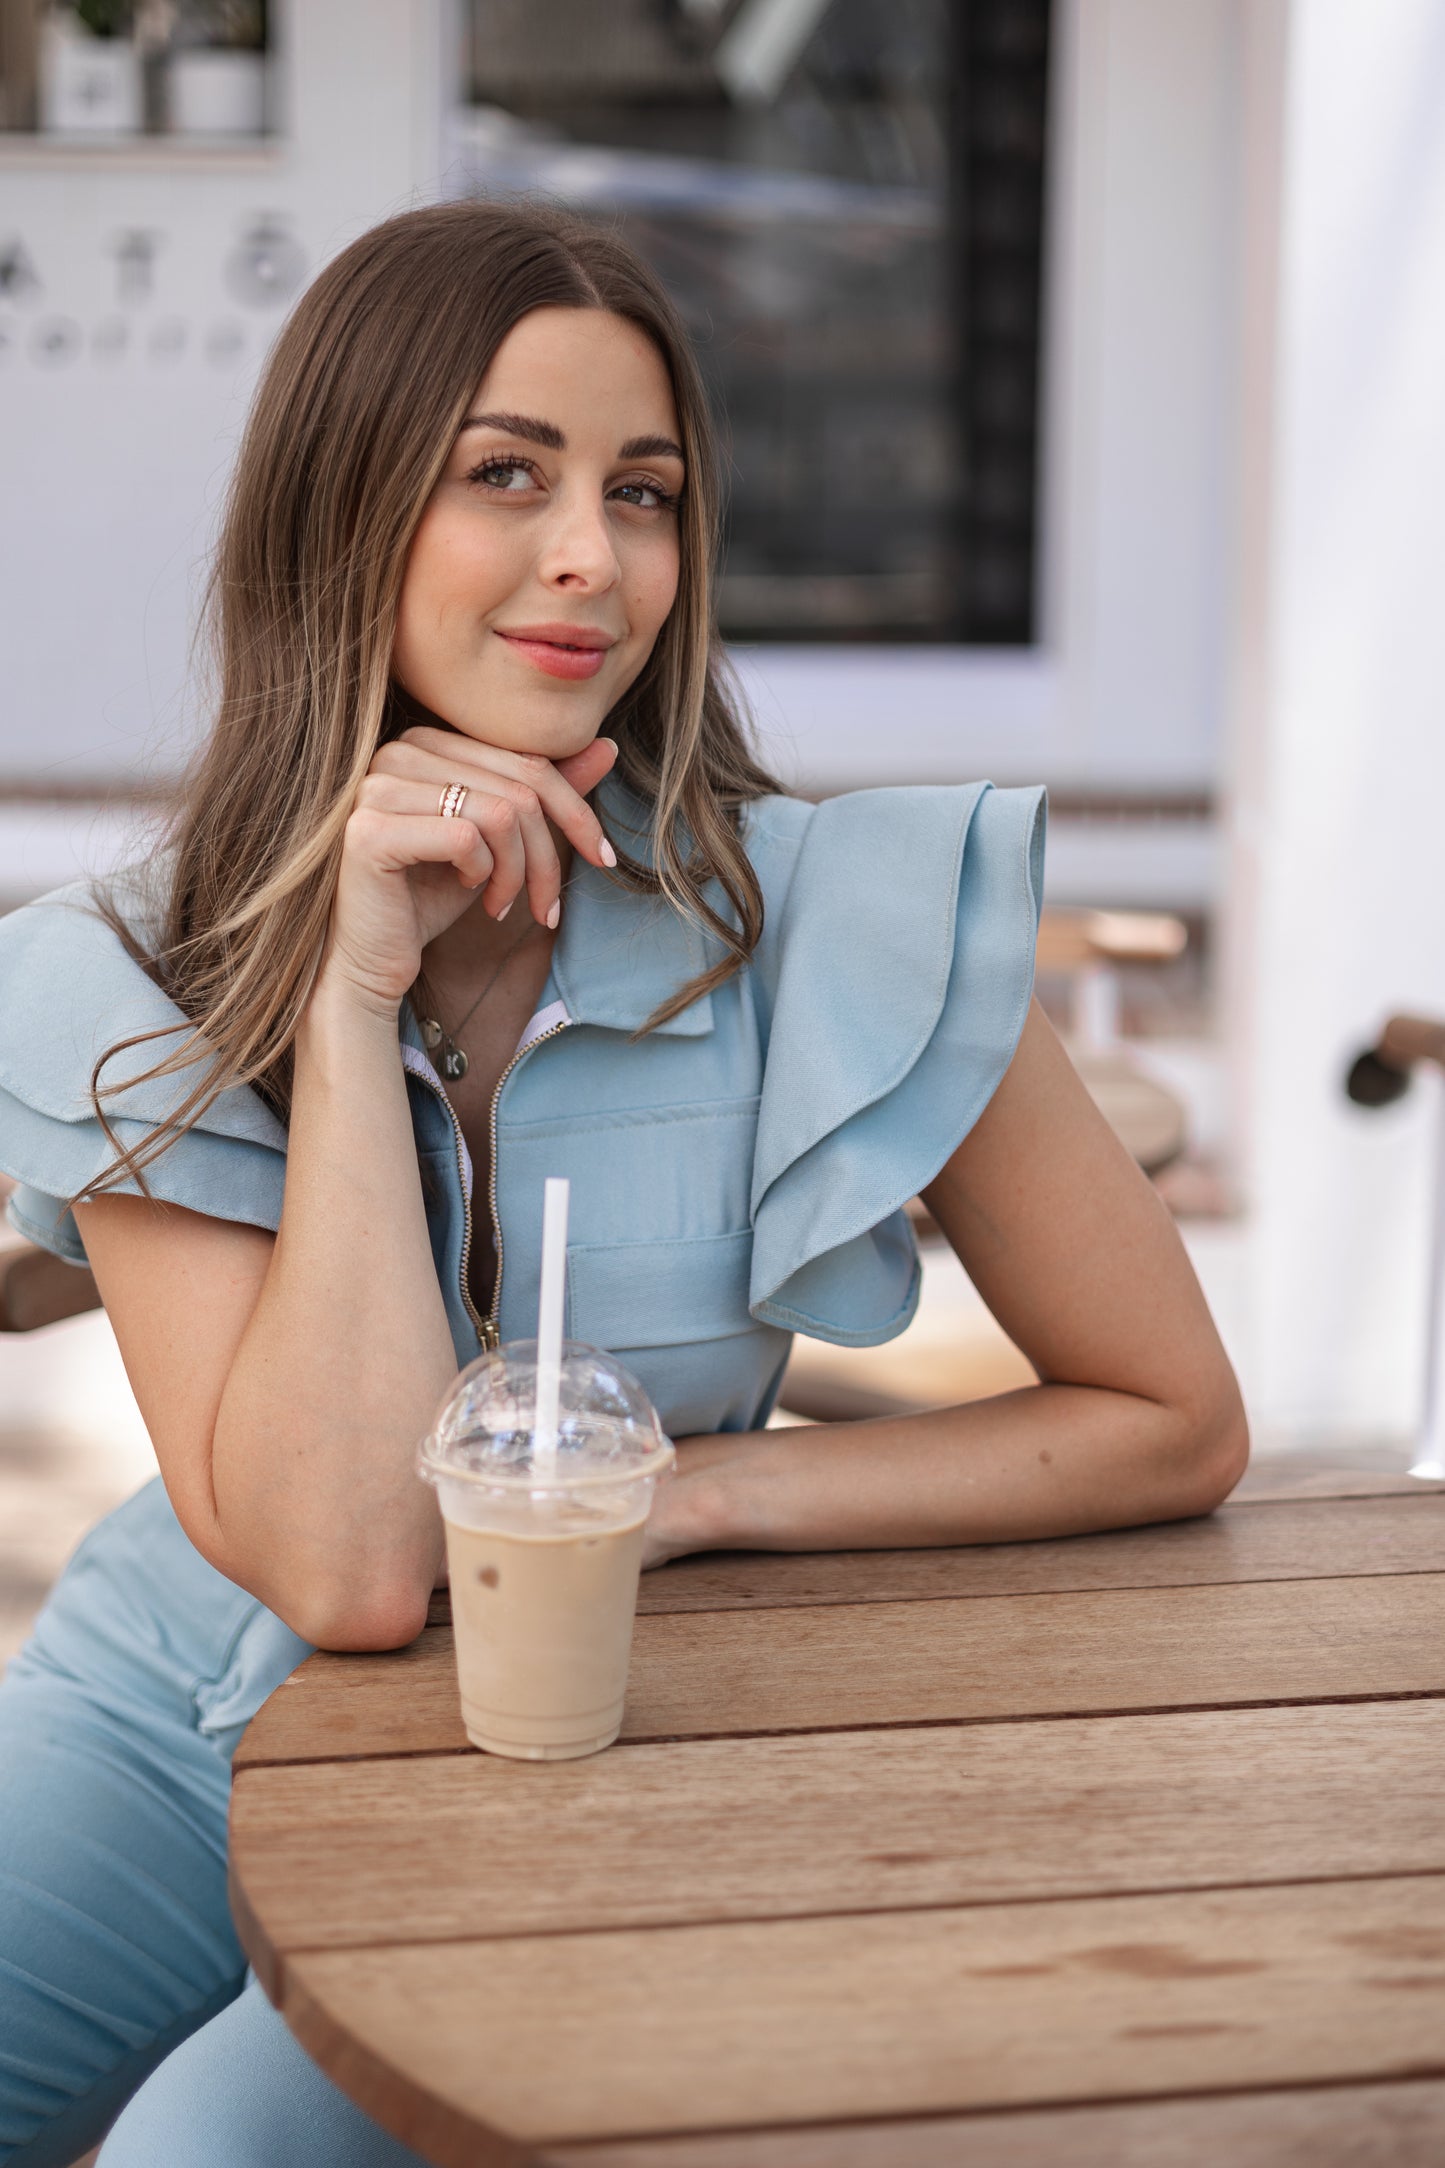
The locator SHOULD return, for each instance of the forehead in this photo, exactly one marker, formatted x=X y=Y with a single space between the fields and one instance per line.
x=582 y=368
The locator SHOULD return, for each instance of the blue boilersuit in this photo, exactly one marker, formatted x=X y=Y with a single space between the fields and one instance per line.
x=738 y=1175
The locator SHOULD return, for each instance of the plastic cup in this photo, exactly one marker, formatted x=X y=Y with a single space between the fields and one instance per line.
x=544 y=1550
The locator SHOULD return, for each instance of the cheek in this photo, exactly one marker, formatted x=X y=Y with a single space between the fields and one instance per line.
x=423 y=588
x=457 y=568
x=653 y=586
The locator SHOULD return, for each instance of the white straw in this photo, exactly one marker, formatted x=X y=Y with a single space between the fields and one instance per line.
x=549 y=1320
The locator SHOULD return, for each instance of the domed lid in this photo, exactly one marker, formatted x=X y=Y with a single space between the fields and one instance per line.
x=607 y=1428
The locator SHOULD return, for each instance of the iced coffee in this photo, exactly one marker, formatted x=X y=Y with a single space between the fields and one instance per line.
x=544 y=1548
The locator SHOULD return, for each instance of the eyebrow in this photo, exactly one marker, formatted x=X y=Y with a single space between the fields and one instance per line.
x=550 y=437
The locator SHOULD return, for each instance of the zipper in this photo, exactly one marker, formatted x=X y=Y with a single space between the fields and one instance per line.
x=488 y=1328
x=479 y=1324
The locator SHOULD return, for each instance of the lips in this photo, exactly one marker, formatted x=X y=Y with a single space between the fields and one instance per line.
x=561 y=651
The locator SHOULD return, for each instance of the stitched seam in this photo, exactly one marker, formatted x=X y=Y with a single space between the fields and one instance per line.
x=727 y=1110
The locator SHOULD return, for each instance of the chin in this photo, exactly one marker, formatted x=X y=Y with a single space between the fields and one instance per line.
x=517 y=727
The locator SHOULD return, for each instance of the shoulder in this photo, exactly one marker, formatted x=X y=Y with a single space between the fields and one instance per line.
x=877 y=859
x=73 y=990
x=774 y=828
x=897 y=972
x=72 y=985
x=80 y=924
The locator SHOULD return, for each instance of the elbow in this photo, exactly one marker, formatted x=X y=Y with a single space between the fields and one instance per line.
x=345 y=1619
x=1210 y=1449
x=379 y=1601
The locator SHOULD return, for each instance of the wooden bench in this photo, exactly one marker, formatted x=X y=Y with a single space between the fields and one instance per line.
x=35 y=1288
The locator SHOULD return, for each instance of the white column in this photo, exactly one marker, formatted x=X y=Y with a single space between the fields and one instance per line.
x=1338 y=882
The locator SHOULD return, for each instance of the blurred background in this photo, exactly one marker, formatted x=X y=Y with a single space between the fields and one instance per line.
x=1080 y=366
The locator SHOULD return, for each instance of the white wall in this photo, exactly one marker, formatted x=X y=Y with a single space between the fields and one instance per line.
x=112 y=462
x=1338 y=866
x=110 y=471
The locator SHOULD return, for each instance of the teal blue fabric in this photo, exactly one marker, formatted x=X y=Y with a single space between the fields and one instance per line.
x=738 y=1175
x=243 y=2092
x=780 y=1121
x=69 y=991
x=117 y=1723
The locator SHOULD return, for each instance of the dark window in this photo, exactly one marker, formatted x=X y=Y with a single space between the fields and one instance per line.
x=846 y=199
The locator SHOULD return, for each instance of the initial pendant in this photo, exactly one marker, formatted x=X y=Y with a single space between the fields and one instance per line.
x=431 y=1033
x=454 y=1064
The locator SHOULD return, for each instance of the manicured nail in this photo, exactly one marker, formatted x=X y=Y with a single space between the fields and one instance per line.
x=506 y=907
x=612 y=742
x=554 y=915
x=606 y=853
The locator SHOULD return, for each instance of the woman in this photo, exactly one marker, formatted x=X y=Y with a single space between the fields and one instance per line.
x=471 y=531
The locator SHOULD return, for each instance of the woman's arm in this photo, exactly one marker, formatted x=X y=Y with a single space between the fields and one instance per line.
x=1137 y=1416
x=285 y=1382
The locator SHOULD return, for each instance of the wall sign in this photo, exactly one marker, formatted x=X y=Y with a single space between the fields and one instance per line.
x=261 y=267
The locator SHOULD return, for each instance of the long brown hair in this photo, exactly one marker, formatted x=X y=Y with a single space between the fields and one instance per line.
x=354 y=420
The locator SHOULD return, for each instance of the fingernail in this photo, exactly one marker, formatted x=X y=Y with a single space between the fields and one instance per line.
x=506 y=907
x=612 y=742
x=554 y=915
x=606 y=853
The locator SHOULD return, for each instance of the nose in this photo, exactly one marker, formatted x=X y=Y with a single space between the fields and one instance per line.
x=578 y=551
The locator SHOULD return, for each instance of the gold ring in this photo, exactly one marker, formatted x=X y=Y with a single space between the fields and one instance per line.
x=453 y=798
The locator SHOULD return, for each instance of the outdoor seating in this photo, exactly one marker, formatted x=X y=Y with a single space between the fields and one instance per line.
x=760 y=677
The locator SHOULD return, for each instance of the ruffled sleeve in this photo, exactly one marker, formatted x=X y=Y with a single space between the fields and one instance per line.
x=905 y=964
x=69 y=990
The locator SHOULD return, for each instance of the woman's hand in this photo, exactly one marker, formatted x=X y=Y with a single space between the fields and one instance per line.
x=687 y=1506
x=407 y=872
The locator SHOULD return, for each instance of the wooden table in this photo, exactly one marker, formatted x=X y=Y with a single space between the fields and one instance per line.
x=1124 y=1852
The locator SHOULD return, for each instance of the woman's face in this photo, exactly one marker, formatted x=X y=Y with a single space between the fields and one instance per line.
x=547 y=557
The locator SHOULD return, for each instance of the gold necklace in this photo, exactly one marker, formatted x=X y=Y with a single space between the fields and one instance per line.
x=453 y=1063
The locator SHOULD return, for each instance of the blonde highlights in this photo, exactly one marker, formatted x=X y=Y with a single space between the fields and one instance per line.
x=366 y=389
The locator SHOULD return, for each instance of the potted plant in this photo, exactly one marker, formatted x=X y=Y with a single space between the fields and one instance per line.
x=90 y=71
x=216 y=71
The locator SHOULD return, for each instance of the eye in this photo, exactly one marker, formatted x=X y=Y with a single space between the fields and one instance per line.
x=506 y=475
x=647 y=496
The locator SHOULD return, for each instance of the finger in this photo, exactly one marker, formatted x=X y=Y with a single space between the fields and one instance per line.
x=585 y=770
x=443 y=756
x=394 y=842
x=500 y=826
x=509 y=824
x=393 y=794
x=544 y=868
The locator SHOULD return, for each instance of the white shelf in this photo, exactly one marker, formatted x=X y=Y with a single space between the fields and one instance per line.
x=138 y=153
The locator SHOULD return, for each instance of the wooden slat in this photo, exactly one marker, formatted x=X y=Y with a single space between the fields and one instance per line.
x=839 y=1667
x=1318 y=1538
x=1272 y=1482
x=402 y=1702
x=1038 y=1655
x=337 y=1854
x=551 y=2038
x=1344 y=1522
x=1339 y=2126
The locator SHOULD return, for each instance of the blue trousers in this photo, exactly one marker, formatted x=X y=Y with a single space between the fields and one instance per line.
x=121 y=1978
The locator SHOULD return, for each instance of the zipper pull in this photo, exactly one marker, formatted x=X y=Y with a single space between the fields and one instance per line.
x=491 y=1335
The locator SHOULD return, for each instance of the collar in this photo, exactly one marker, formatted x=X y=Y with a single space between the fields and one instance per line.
x=618 y=955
